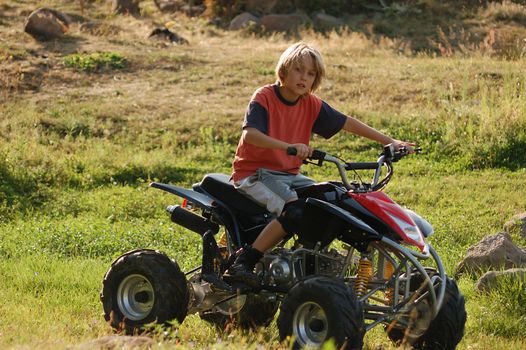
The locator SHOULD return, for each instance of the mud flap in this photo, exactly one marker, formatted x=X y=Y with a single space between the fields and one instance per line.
x=212 y=261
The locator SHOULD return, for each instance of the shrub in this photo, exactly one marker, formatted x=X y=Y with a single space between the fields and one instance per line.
x=333 y=7
x=95 y=61
x=225 y=9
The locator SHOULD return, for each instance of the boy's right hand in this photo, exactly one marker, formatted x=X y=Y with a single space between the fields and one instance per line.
x=302 y=151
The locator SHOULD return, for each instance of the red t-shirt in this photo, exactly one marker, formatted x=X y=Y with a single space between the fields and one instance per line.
x=285 y=121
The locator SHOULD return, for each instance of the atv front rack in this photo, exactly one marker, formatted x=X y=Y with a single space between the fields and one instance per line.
x=409 y=285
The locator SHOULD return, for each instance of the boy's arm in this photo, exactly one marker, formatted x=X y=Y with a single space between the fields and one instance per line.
x=359 y=128
x=257 y=138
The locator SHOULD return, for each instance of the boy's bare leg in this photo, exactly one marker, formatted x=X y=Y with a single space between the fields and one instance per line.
x=271 y=235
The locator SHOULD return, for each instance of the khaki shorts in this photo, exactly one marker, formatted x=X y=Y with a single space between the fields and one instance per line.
x=272 y=189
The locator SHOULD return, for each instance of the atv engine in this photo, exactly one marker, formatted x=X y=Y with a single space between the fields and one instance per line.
x=283 y=267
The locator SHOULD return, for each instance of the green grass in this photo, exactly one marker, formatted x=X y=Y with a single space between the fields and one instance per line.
x=39 y=285
x=77 y=153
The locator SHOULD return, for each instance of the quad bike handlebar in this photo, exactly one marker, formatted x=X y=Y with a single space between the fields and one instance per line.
x=387 y=157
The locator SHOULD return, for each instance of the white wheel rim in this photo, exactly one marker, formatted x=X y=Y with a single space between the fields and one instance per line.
x=310 y=325
x=135 y=297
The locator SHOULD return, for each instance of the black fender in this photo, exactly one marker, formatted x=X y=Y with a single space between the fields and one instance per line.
x=201 y=200
x=205 y=202
x=323 y=222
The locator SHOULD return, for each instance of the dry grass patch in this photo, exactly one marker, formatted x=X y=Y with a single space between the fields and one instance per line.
x=505 y=11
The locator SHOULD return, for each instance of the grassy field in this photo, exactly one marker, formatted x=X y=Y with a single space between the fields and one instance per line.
x=81 y=135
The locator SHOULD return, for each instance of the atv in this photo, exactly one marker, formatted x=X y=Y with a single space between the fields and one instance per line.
x=358 y=260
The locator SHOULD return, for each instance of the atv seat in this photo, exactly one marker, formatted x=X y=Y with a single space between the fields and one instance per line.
x=220 y=187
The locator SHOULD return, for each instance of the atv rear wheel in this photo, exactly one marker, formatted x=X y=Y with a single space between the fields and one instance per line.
x=446 y=330
x=321 y=308
x=142 y=287
x=247 y=311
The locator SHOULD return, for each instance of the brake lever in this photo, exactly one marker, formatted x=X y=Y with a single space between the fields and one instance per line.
x=389 y=151
x=318 y=163
x=317 y=155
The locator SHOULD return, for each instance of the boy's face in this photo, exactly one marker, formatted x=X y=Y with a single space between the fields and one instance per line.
x=299 y=79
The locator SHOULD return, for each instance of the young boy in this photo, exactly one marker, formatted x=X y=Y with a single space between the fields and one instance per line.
x=279 y=116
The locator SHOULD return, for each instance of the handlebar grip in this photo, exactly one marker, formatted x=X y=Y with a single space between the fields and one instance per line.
x=316 y=154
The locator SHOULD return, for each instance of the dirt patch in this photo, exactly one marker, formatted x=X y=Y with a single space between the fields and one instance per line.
x=116 y=342
x=21 y=76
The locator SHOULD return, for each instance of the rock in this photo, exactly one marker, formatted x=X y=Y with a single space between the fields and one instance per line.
x=284 y=23
x=46 y=24
x=117 y=342
x=125 y=7
x=517 y=223
x=166 y=35
x=243 y=20
x=322 y=21
x=260 y=6
x=493 y=253
x=491 y=279
x=169 y=6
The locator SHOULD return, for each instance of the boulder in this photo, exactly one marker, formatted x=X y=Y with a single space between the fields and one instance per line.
x=46 y=24
x=243 y=20
x=125 y=7
x=284 y=23
x=517 y=223
x=493 y=253
x=491 y=279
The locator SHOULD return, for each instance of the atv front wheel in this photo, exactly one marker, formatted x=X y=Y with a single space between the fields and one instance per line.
x=142 y=287
x=446 y=330
x=248 y=311
x=321 y=308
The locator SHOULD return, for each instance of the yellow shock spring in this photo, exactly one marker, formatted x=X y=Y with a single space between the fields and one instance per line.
x=365 y=272
x=222 y=241
x=388 y=273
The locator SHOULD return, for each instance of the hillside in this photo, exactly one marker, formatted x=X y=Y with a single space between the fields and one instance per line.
x=88 y=119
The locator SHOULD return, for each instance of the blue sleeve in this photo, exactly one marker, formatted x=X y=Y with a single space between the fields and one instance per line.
x=329 y=121
x=256 y=117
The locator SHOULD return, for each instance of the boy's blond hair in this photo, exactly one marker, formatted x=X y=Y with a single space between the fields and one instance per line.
x=293 y=54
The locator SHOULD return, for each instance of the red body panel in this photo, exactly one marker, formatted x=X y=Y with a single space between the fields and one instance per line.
x=379 y=204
